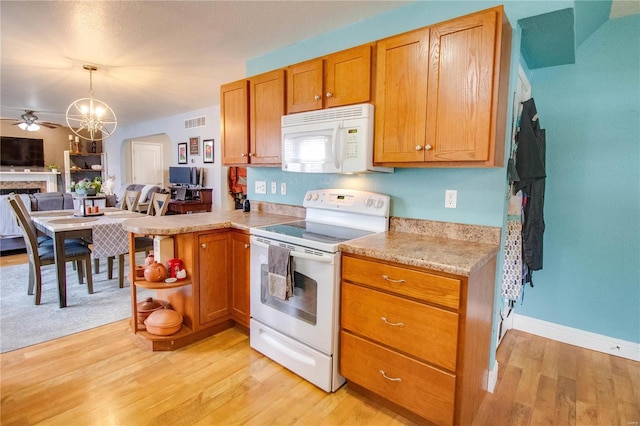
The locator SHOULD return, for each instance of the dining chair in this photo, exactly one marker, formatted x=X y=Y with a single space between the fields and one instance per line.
x=43 y=240
x=157 y=207
x=110 y=240
x=130 y=200
x=158 y=204
x=42 y=256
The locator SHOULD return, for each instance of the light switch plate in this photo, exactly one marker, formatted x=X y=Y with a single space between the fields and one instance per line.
x=274 y=187
x=283 y=188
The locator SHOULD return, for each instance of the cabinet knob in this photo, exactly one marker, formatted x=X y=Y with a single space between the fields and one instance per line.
x=253 y=154
x=247 y=246
x=418 y=147
x=316 y=97
x=203 y=245
x=428 y=147
x=243 y=155
x=329 y=94
x=250 y=155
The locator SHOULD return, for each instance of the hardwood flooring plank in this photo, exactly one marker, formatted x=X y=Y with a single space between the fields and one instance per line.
x=104 y=376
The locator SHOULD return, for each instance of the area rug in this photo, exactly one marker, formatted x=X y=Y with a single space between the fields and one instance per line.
x=22 y=323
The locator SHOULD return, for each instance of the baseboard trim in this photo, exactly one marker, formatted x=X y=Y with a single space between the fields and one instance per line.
x=576 y=337
x=493 y=378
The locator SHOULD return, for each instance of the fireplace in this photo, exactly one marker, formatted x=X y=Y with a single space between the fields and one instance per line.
x=16 y=181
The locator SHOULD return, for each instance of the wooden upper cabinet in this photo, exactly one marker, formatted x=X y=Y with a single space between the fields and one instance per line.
x=401 y=97
x=463 y=89
x=304 y=86
x=342 y=78
x=267 y=106
x=250 y=112
x=348 y=77
x=234 y=122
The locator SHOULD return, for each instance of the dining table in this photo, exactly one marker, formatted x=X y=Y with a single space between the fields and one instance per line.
x=64 y=224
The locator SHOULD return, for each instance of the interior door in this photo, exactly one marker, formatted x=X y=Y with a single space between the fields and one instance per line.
x=147 y=163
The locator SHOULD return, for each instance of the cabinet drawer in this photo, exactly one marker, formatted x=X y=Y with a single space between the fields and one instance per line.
x=407 y=282
x=418 y=387
x=420 y=330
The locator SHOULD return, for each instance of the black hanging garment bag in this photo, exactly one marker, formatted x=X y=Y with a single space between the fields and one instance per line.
x=530 y=165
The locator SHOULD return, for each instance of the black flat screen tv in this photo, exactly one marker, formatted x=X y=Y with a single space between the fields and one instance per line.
x=180 y=175
x=21 y=152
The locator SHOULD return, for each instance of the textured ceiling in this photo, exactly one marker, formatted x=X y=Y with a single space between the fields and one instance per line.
x=154 y=59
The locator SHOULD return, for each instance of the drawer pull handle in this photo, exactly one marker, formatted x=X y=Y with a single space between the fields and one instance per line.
x=395 y=324
x=386 y=278
x=393 y=379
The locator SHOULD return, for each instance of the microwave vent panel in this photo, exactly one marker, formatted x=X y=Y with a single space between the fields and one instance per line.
x=330 y=114
x=195 y=122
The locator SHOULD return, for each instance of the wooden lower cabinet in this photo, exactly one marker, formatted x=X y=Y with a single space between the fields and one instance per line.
x=419 y=339
x=240 y=258
x=215 y=295
x=214 y=263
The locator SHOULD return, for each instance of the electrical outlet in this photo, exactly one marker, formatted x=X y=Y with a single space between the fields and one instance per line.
x=450 y=198
x=261 y=187
x=283 y=188
x=274 y=187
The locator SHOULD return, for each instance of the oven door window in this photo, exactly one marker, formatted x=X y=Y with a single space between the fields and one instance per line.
x=304 y=303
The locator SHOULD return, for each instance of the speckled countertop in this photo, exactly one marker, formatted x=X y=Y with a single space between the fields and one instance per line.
x=185 y=223
x=440 y=246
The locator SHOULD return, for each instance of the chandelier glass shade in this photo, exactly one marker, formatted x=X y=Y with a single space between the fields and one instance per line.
x=91 y=116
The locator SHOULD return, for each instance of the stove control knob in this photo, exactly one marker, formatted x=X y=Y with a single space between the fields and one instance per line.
x=368 y=202
x=308 y=197
x=379 y=204
x=315 y=197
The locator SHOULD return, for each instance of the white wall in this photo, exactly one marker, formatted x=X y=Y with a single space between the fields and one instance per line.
x=170 y=130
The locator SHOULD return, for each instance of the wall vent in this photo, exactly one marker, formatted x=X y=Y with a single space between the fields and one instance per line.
x=195 y=122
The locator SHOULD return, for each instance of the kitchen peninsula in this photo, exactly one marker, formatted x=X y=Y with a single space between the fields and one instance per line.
x=214 y=249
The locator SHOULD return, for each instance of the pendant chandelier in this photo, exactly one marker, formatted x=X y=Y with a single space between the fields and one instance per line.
x=91 y=116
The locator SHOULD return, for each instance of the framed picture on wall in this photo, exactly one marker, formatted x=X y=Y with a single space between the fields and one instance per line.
x=194 y=146
x=207 y=147
x=182 y=153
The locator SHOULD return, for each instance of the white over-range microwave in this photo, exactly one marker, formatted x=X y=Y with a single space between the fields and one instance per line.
x=334 y=140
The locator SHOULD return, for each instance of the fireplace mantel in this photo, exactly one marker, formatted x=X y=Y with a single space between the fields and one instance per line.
x=51 y=178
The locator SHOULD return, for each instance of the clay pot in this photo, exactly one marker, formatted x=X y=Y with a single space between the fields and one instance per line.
x=155 y=272
x=163 y=322
x=147 y=306
x=140 y=271
x=149 y=260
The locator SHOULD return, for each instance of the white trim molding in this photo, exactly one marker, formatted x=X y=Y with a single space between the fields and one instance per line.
x=577 y=337
x=492 y=380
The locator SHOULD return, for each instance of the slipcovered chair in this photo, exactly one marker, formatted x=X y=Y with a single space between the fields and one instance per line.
x=42 y=256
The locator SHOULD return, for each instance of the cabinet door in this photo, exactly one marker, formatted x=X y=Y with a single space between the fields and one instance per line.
x=461 y=75
x=401 y=97
x=240 y=256
x=267 y=106
x=213 y=258
x=348 y=77
x=304 y=86
x=234 y=122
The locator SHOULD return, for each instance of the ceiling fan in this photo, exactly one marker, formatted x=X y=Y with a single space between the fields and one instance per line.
x=31 y=123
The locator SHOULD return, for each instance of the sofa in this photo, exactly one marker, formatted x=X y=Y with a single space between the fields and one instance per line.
x=10 y=235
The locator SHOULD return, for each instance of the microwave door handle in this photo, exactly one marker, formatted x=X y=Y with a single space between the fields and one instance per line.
x=336 y=159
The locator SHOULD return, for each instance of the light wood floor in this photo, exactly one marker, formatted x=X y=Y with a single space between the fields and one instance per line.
x=105 y=377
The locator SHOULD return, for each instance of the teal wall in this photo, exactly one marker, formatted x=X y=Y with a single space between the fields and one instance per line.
x=591 y=111
x=589 y=240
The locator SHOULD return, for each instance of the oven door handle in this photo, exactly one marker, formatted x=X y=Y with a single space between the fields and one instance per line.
x=315 y=258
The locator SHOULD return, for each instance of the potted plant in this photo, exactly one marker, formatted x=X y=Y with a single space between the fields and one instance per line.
x=53 y=167
x=88 y=187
